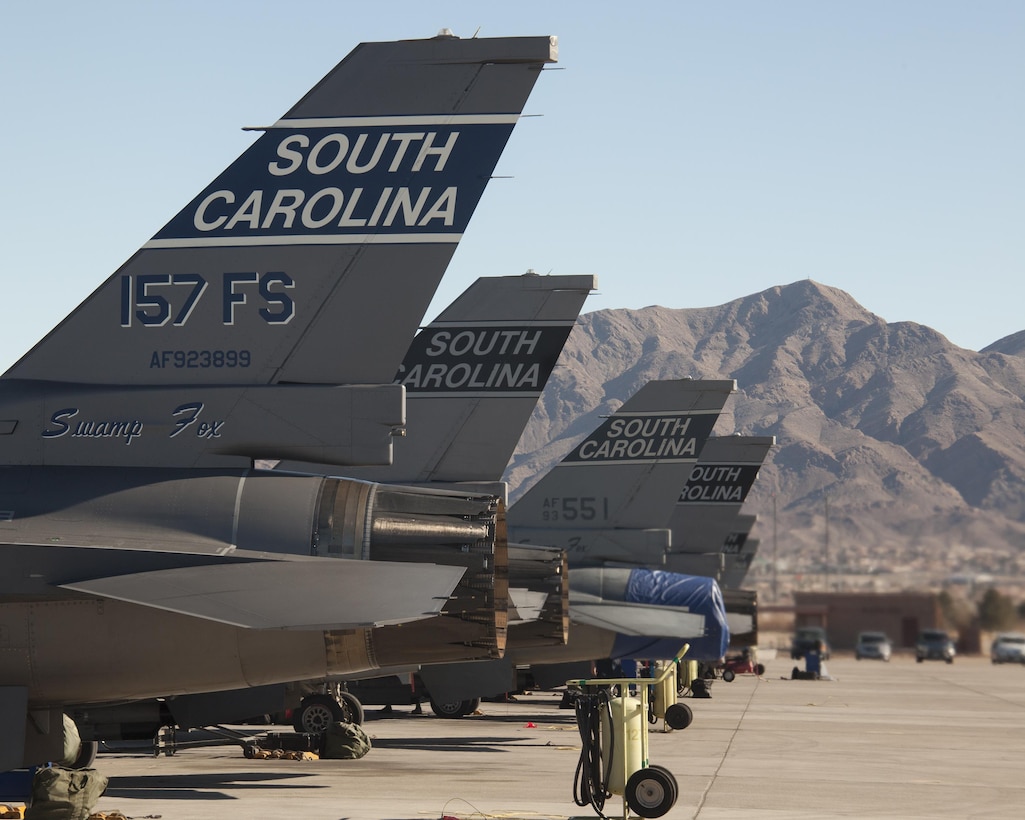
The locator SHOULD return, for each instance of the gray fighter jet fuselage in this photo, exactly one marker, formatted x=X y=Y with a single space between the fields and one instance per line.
x=266 y=320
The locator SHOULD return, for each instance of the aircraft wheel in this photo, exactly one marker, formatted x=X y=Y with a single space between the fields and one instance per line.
x=454 y=709
x=87 y=752
x=728 y=675
x=316 y=713
x=679 y=716
x=352 y=708
x=651 y=792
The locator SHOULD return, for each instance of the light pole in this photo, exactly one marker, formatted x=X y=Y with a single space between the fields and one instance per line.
x=825 y=545
x=775 y=554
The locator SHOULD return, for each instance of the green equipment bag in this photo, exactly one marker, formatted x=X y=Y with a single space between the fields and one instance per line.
x=64 y=794
x=344 y=741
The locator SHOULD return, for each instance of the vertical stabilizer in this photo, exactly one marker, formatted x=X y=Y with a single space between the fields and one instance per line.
x=306 y=265
x=625 y=476
x=710 y=502
x=473 y=377
x=314 y=255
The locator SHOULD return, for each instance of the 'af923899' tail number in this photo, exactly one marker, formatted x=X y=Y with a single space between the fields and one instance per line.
x=156 y=300
x=200 y=359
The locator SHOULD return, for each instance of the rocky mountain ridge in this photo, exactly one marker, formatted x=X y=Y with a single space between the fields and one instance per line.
x=895 y=448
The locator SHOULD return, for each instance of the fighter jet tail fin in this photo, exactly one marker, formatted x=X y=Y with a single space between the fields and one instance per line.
x=627 y=474
x=473 y=377
x=312 y=257
x=308 y=262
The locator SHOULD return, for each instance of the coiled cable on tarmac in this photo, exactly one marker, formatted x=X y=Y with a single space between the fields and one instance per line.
x=590 y=785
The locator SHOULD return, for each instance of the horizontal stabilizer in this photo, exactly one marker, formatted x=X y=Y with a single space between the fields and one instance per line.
x=637 y=619
x=326 y=593
x=666 y=595
x=740 y=623
x=588 y=546
x=709 y=564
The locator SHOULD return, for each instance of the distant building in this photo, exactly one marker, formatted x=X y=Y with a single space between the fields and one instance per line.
x=899 y=614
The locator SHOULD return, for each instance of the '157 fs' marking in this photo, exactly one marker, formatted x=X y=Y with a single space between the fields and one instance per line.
x=154 y=300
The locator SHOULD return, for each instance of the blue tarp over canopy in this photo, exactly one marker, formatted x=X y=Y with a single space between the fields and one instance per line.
x=698 y=594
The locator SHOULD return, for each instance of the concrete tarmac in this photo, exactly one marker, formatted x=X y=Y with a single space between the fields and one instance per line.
x=880 y=740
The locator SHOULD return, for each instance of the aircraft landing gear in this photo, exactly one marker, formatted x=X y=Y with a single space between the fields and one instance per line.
x=317 y=712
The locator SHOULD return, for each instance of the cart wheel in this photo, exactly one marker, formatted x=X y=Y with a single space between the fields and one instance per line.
x=672 y=781
x=352 y=708
x=679 y=716
x=316 y=713
x=651 y=792
x=728 y=675
x=759 y=669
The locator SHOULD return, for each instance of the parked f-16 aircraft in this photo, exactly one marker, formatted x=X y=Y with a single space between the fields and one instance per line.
x=710 y=533
x=738 y=563
x=266 y=320
x=721 y=555
x=706 y=515
x=608 y=503
x=473 y=376
x=610 y=499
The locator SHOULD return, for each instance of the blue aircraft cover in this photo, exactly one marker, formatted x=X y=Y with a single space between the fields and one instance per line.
x=698 y=594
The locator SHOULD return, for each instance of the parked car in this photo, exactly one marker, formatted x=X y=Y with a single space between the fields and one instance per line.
x=873 y=645
x=807 y=638
x=934 y=645
x=1008 y=647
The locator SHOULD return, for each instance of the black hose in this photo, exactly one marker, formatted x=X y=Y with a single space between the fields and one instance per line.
x=590 y=785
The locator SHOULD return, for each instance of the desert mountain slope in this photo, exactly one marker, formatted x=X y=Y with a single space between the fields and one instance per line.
x=915 y=446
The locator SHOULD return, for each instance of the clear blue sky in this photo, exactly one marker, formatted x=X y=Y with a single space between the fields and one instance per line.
x=690 y=153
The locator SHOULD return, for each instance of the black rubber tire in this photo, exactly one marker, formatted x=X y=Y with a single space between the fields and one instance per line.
x=729 y=675
x=352 y=708
x=679 y=716
x=759 y=669
x=651 y=792
x=87 y=752
x=672 y=780
x=455 y=709
x=316 y=713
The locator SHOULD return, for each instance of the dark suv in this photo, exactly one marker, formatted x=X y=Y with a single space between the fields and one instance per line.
x=807 y=638
x=934 y=645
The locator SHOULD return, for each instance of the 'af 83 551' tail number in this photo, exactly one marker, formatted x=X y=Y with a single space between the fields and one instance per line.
x=588 y=508
x=200 y=359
